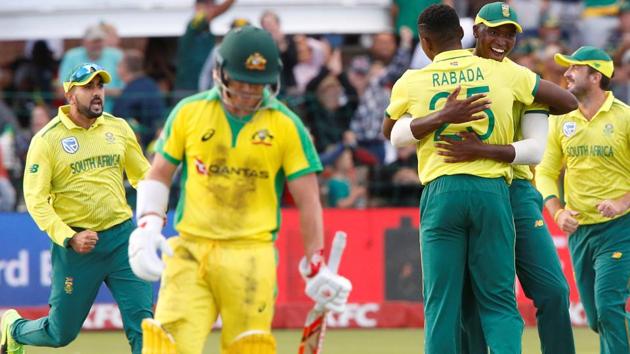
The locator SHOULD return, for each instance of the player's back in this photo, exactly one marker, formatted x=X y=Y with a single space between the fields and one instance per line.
x=421 y=92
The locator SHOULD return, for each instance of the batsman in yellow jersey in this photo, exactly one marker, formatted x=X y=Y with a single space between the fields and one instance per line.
x=73 y=188
x=593 y=145
x=466 y=218
x=237 y=145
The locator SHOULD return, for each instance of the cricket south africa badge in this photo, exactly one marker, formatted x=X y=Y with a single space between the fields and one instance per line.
x=70 y=145
x=568 y=128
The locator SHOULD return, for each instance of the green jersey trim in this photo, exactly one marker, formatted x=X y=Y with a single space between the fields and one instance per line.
x=535 y=90
x=168 y=157
x=236 y=124
x=311 y=155
x=179 y=211
x=279 y=187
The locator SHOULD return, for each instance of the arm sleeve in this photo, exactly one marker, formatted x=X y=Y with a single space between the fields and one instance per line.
x=548 y=170
x=531 y=148
x=300 y=156
x=172 y=141
x=37 y=181
x=399 y=101
x=136 y=165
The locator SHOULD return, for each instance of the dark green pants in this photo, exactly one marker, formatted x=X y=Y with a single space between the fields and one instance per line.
x=466 y=223
x=76 y=279
x=540 y=274
x=601 y=261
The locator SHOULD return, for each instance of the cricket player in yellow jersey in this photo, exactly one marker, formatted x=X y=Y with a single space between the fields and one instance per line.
x=593 y=144
x=466 y=218
x=237 y=146
x=73 y=187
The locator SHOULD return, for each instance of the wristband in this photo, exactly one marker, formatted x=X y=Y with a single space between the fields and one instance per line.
x=557 y=213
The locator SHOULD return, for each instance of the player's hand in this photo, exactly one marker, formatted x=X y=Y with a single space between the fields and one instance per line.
x=466 y=110
x=611 y=208
x=144 y=243
x=567 y=222
x=330 y=291
x=469 y=148
x=84 y=241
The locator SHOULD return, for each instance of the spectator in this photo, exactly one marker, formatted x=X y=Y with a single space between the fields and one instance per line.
x=621 y=80
x=404 y=13
x=94 y=50
x=195 y=45
x=330 y=102
x=568 y=13
x=7 y=192
x=141 y=98
x=311 y=55
x=288 y=51
x=599 y=20
x=343 y=189
x=36 y=74
x=112 y=39
x=398 y=182
x=388 y=64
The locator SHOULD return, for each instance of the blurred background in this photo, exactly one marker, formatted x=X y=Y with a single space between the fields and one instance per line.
x=341 y=58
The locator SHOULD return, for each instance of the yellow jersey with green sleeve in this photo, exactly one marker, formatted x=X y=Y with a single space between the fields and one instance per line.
x=234 y=171
x=518 y=110
x=596 y=155
x=74 y=176
x=424 y=91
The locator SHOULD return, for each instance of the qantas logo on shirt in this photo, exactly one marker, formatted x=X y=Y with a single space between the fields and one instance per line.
x=262 y=137
x=70 y=145
x=223 y=170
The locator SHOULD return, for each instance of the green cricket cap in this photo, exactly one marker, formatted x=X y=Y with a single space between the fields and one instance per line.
x=249 y=54
x=591 y=56
x=497 y=14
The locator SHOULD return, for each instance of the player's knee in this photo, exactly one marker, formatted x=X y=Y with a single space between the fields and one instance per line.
x=63 y=338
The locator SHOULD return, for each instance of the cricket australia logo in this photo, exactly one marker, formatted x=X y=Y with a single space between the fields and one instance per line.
x=262 y=137
x=568 y=128
x=70 y=145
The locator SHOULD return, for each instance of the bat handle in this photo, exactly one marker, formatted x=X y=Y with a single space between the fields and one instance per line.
x=338 y=245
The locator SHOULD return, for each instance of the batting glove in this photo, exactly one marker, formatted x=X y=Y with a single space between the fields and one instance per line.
x=330 y=291
x=144 y=243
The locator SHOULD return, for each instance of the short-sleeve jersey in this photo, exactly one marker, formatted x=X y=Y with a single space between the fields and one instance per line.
x=233 y=173
x=74 y=176
x=596 y=154
x=422 y=92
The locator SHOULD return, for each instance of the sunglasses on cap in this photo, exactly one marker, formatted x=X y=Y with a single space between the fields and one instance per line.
x=84 y=71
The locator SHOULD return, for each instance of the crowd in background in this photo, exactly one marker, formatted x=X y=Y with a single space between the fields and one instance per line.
x=338 y=84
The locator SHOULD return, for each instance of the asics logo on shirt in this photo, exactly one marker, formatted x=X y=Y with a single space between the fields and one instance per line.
x=208 y=135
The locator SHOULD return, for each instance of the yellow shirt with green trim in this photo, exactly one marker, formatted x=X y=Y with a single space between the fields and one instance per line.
x=518 y=110
x=596 y=155
x=234 y=171
x=74 y=176
x=421 y=92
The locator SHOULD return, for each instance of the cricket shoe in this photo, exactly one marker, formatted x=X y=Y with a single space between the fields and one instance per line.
x=8 y=345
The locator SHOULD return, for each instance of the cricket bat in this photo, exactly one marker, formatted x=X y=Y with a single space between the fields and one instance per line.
x=315 y=325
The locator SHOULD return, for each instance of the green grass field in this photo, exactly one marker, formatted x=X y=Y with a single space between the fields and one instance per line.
x=361 y=341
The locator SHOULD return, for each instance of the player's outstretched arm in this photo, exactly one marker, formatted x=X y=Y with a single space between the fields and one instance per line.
x=408 y=130
x=559 y=100
x=147 y=238
x=528 y=151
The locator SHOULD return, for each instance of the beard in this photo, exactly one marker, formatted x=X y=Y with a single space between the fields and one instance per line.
x=92 y=110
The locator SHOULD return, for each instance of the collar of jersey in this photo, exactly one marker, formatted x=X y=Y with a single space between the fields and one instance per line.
x=452 y=54
x=610 y=98
x=63 y=116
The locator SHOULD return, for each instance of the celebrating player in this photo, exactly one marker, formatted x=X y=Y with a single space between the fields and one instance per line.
x=467 y=218
x=537 y=263
x=237 y=145
x=593 y=142
x=73 y=187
